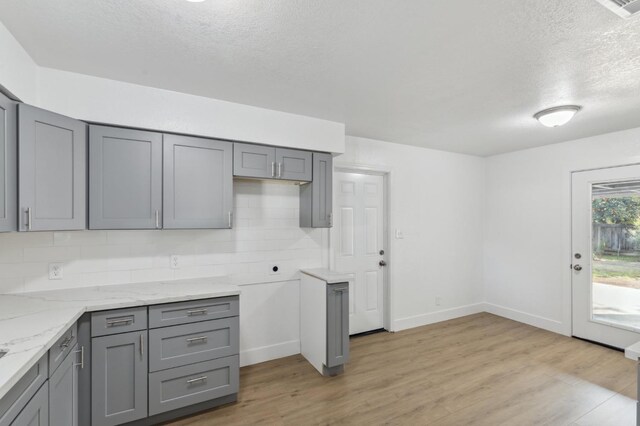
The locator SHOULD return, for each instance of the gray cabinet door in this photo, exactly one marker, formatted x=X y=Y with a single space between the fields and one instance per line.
x=293 y=164
x=198 y=183
x=63 y=392
x=254 y=161
x=125 y=178
x=8 y=164
x=52 y=171
x=36 y=412
x=118 y=378
x=337 y=324
x=316 y=198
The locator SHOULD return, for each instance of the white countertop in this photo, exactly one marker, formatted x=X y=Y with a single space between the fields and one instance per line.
x=331 y=277
x=30 y=323
x=633 y=352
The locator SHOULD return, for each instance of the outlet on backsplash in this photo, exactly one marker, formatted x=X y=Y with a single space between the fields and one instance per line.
x=55 y=271
x=175 y=261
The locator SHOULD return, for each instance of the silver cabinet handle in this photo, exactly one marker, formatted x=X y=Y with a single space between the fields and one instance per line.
x=273 y=169
x=157 y=219
x=81 y=363
x=119 y=322
x=230 y=218
x=196 y=312
x=279 y=170
x=28 y=218
x=142 y=345
x=330 y=219
x=197 y=339
x=197 y=379
x=65 y=343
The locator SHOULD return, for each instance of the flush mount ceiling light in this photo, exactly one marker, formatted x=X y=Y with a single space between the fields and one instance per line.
x=556 y=116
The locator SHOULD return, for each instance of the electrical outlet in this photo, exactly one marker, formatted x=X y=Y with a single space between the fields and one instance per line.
x=438 y=301
x=274 y=270
x=55 y=271
x=399 y=234
x=174 y=261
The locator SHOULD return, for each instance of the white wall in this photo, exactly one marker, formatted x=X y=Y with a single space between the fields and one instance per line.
x=437 y=201
x=527 y=249
x=18 y=72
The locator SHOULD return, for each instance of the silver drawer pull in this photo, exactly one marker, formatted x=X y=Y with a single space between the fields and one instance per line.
x=197 y=339
x=81 y=363
x=197 y=312
x=197 y=379
x=65 y=343
x=119 y=322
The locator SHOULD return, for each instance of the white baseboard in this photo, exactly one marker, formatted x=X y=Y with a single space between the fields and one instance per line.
x=267 y=353
x=434 y=317
x=534 y=320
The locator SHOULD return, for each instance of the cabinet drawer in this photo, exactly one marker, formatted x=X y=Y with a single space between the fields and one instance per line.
x=62 y=347
x=20 y=394
x=186 y=344
x=118 y=321
x=192 y=384
x=193 y=311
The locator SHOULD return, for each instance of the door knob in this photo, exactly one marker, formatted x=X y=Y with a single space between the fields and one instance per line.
x=382 y=263
x=577 y=267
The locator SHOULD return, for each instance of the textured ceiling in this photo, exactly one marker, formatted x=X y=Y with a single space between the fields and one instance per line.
x=463 y=76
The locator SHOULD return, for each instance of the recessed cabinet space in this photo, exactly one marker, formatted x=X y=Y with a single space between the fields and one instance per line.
x=265 y=162
x=8 y=164
x=52 y=171
x=125 y=178
x=316 y=200
x=198 y=183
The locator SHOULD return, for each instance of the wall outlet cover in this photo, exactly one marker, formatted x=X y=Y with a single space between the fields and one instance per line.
x=55 y=271
x=399 y=234
x=174 y=261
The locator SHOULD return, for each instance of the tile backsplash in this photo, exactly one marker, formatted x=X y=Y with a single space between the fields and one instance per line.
x=265 y=234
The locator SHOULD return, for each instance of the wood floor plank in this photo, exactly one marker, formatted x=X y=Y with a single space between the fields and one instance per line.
x=480 y=369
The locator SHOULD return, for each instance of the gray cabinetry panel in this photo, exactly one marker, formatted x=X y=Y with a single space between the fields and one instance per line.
x=52 y=171
x=316 y=198
x=294 y=164
x=254 y=161
x=8 y=164
x=179 y=345
x=119 y=378
x=118 y=321
x=337 y=324
x=193 y=311
x=198 y=182
x=20 y=394
x=62 y=348
x=125 y=178
x=184 y=386
x=36 y=413
x=63 y=392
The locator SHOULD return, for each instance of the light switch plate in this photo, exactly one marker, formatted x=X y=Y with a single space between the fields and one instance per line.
x=55 y=271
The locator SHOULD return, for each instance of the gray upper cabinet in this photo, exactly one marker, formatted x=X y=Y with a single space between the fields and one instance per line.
x=52 y=171
x=293 y=164
x=119 y=378
x=8 y=164
x=316 y=198
x=254 y=161
x=267 y=162
x=125 y=178
x=198 y=183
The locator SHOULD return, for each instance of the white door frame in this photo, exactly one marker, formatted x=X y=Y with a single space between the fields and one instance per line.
x=387 y=310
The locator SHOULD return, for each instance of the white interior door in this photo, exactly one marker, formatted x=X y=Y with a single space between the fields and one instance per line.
x=606 y=255
x=358 y=245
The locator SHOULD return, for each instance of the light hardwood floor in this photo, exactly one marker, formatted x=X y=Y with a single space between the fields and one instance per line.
x=480 y=369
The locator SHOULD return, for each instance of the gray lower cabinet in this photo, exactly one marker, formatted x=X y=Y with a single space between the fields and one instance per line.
x=316 y=198
x=12 y=404
x=8 y=164
x=63 y=392
x=267 y=162
x=337 y=324
x=125 y=178
x=119 y=378
x=36 y=412
x=52 y=171
x=198 y=183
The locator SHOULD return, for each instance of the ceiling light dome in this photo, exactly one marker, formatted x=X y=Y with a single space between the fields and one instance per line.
x=556 y=116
